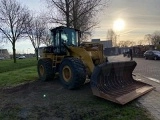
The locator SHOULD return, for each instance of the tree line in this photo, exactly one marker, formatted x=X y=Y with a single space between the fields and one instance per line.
x=149 y=39
x=17 y=21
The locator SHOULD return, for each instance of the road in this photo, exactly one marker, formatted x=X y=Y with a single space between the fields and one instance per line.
x=146 y=68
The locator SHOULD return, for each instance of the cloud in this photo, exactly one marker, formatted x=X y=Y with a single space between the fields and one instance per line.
x=141 y=17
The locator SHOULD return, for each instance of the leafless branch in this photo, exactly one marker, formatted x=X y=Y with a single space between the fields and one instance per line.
x=78 y=14
x=35 y=31
x=12 y=19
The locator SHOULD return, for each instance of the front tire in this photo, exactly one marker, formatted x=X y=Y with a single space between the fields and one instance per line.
x=72 y=73
x=45 y=70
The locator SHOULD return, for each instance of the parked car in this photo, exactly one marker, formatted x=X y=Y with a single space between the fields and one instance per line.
x=152 y=54
x=21 y=57
x=2 y=58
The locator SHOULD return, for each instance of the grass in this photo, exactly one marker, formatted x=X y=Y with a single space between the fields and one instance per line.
x=105 y=110
x=8 y=65
x=19 y=76
x=12 y=74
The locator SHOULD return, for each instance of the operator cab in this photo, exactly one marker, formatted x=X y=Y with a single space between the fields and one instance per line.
x=62 y=37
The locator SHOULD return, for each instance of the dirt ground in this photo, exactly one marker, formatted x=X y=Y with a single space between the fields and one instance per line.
x=50 y=101
x=43 y=100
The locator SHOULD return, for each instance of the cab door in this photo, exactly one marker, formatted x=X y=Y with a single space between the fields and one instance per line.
x=58 y=46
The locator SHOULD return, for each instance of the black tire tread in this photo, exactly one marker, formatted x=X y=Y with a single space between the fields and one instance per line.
x=79 y=70
x=49 y=74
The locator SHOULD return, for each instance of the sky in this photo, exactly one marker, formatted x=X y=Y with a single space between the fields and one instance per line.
x=140 y=17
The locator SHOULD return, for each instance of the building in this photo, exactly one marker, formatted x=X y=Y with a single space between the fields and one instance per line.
x=4 y=53
x=107 y=47
x=106 y=44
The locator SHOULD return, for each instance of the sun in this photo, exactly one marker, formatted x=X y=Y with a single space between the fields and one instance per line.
x=119 y=25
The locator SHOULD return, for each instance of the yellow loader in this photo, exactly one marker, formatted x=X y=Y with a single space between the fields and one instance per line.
x=75 y=61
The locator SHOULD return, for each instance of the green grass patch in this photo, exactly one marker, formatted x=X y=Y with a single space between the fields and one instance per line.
x=8 y=65
x=12 y=78
x=100 y=109
x=105 y=110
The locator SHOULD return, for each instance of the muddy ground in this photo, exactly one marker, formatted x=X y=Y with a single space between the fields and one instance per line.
x=50 y=101
x=44 y=100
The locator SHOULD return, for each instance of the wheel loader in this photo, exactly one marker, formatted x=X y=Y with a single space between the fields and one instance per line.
x=75 y=61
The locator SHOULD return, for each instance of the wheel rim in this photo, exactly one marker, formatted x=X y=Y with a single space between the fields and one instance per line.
x=41 y=70
x=67 y=73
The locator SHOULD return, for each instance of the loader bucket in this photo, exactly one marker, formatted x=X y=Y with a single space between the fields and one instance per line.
x=114 y=82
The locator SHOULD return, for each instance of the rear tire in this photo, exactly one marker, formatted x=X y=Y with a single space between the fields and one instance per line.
x=72 y=73
x=45 y=70
x=146 y=58
x=155 y=58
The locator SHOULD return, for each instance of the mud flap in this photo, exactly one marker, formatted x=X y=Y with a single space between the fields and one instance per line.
x=114 y=82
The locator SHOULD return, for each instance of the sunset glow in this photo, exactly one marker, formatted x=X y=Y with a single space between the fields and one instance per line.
x=119 y=25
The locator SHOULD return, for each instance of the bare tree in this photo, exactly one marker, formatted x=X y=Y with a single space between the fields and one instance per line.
x=112 y=36
x=127 y=43
x=35 y=30
x=155 y=39
x=148 y=38
x=131 y=43
x=46 y=38
x=13 y=17
x=141 y=42
x=78 y=14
